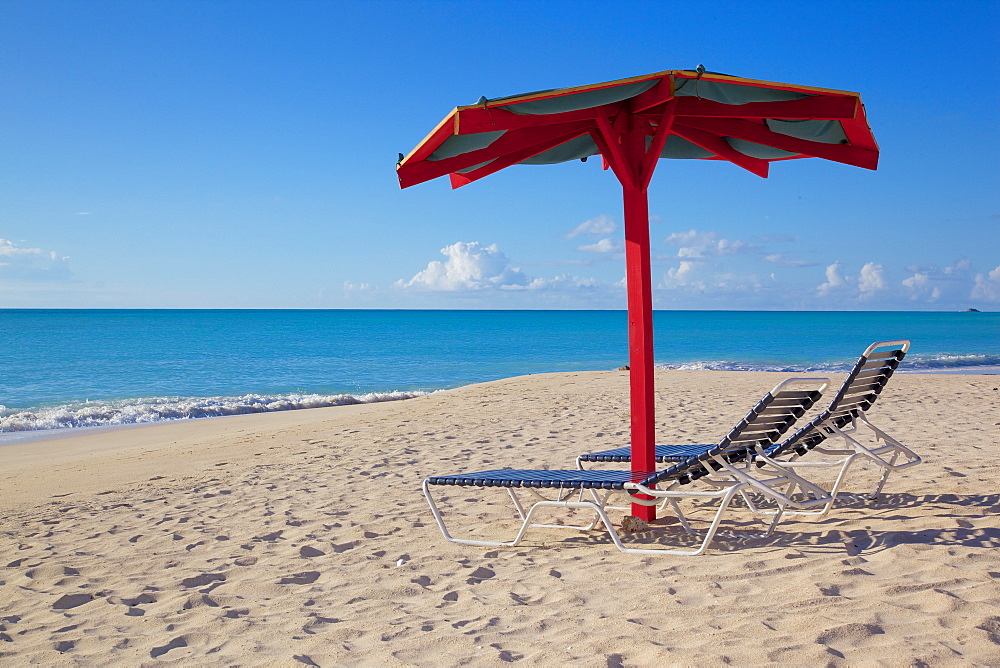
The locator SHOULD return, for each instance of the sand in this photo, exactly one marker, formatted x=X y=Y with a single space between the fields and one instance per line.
x=302 y=538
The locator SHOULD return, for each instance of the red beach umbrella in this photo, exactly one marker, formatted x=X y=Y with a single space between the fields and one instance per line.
x=632 y=123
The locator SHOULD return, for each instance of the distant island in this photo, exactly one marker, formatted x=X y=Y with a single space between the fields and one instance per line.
x=972 y=310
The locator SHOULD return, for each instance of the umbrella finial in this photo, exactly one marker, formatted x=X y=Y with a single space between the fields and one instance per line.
x=399 y=161
x=700 y=69
x=482 y=100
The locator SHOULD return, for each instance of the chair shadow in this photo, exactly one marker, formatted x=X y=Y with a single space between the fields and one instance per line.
x=836 y=533
x=883 y=514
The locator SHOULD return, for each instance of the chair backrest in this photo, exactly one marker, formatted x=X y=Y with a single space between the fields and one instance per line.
x=860 y=390
x=763 y=425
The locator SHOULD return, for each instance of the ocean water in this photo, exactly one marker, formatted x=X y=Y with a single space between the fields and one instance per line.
x=91 y=368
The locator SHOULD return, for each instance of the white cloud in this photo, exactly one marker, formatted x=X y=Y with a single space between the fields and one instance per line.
x=602 y=246
x=599 y=225
x=783 y=261
x=930 y=283
x=682 y=276
x=690 y=252
x=356 y=287
x=727 y=247
x=920 y=287
x=917 y=282
x=695 y=244
x=959 y=267
x=835 y=280
x=31 y=263
x=683 y=238
x=564 y=281
x=871 y=279
x=470 y=266
x=987 y=286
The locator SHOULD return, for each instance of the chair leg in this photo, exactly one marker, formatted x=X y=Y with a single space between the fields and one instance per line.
x=467 y=541
x=711 y=533
x=597 y=507
x=526 y=517
x=713 y=528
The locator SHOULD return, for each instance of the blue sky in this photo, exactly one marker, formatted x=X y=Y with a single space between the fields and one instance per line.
x=241 y=154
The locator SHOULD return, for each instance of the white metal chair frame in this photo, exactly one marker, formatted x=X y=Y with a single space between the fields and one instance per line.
x=886 y=456
x=779 y=487
x=773 y=482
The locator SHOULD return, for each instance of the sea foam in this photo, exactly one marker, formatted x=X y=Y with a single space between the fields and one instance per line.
x=942 y=362
x=159 y=409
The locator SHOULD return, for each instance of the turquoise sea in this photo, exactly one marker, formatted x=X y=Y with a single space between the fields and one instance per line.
x=94 y=368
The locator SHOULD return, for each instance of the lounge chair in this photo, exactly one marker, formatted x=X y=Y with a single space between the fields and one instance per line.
x=844 y=417
x=724 y=464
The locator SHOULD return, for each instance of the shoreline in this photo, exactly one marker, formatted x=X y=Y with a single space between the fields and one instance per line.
x=274 y=537
x=39 y=435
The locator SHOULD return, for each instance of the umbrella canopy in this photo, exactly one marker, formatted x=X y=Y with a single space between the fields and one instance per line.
x=632 y=123
x=684 y=114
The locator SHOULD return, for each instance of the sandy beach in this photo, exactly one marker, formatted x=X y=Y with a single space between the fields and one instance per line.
x=302 y=538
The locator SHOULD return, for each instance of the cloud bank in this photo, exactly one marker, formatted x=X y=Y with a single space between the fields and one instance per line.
x=599 y=225
x=31 y=264
x=469 y=266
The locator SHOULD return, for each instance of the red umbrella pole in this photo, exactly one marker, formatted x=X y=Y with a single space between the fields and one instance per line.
x=640 y=337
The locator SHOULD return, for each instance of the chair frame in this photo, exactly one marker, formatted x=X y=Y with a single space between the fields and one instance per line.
x=725 y=466
x=830 y=424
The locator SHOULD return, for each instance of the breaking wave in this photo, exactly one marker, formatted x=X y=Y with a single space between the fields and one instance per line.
x=944 y=362
x=160 y=409
x=940 y=362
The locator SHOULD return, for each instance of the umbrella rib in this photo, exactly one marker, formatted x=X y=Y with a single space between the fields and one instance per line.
x=612 y=150
x=655 y=96
x=828 y=108
x=472 y=121
x=411 y=174
x=656 y=146
x=514 y=157
x=758 y=133
x=716 y=144
x=429 y=143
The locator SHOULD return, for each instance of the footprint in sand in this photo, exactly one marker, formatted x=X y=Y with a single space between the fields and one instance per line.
x=480 y=574
x=142 y=599
x=307 y=551
x=848 y=635
x=992 y=627
x=203 y=579
x=68 y=601
x=307 y=577
x=157 y=652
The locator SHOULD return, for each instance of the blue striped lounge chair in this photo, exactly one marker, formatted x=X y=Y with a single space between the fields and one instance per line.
x=846 y=418
x=725 y=463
